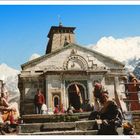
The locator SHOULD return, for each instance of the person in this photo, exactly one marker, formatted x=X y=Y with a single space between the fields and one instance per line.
x=110 y=115
x=61 y=109
x=87 y=107
x=133 y=90
x=107 y=113
x=80 y=100
x=39 y=100
x=44 y=109
x=70 y=109
x=98 y=88
x=10 y=111
x=56 y=109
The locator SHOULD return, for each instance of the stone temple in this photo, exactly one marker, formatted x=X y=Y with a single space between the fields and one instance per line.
x=65 y=64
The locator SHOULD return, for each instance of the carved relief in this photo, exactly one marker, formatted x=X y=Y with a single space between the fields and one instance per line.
x=92 y=65
x=53 y=67
x=73 y=52
x=75 y=62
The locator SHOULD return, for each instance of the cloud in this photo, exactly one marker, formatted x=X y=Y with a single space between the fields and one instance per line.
x=34 y=56
x=123 y=49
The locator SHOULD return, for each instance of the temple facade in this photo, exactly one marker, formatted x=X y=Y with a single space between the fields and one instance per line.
x=65 y=64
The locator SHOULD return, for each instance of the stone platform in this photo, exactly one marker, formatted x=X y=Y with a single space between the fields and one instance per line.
x=64 y=124
x=74 y=124
x=39 y=118
x=59 y=128
x=74 y=132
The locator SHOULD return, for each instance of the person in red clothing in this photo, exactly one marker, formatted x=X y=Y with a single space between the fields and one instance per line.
x=56 y=109
x=39 y=100
x=133 y=89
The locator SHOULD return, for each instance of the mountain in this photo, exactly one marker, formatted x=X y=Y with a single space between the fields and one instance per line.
x=137 y=70
x=126 y=50
x=10 y=78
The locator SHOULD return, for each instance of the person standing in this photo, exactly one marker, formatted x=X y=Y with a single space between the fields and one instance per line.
x=133 y=90
x=39 y=100
x=80 y=100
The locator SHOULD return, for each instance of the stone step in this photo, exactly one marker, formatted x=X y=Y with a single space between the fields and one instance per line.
x=39 y=118
x=73 y=132
x=58 y=126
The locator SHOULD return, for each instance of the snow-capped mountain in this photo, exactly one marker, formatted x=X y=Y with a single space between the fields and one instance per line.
x=10 y=78
x=126 y=50
x=137 y=70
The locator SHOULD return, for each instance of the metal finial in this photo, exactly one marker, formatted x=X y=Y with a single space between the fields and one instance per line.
x=59 y=19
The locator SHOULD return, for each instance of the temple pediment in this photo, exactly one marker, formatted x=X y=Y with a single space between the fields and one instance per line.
x=72 y=57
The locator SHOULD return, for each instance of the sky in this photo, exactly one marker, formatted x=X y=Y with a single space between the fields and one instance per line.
x=24 y=28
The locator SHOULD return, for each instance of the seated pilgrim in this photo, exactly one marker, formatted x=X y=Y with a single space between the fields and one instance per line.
x=56 y=109
x=107 y=113
x=9 y=112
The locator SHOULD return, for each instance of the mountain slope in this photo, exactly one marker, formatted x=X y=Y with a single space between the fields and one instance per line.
x=10 y=77
x=137 y=70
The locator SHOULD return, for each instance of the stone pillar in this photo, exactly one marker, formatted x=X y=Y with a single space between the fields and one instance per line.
x=116 y=83
x=90 y=91
x=22 y=95
x=64 y=94
x=116 y=90
x=49 y=92
x=46 y=92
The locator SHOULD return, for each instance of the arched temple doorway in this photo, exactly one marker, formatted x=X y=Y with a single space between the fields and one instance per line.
x=56 y=99
x=75 y=99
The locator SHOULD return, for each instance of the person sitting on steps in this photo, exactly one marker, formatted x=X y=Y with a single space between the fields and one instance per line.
x=108 y=114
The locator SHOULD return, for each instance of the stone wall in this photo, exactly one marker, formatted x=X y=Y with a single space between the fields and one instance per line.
x=136 y=121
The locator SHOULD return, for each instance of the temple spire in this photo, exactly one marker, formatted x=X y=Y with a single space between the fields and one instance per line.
x=59 y=37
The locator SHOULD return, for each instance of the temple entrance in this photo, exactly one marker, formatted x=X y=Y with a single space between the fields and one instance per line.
x=76 y=99
x=56 y=99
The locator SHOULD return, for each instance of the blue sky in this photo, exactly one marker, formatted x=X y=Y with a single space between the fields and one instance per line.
x=24 y=29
